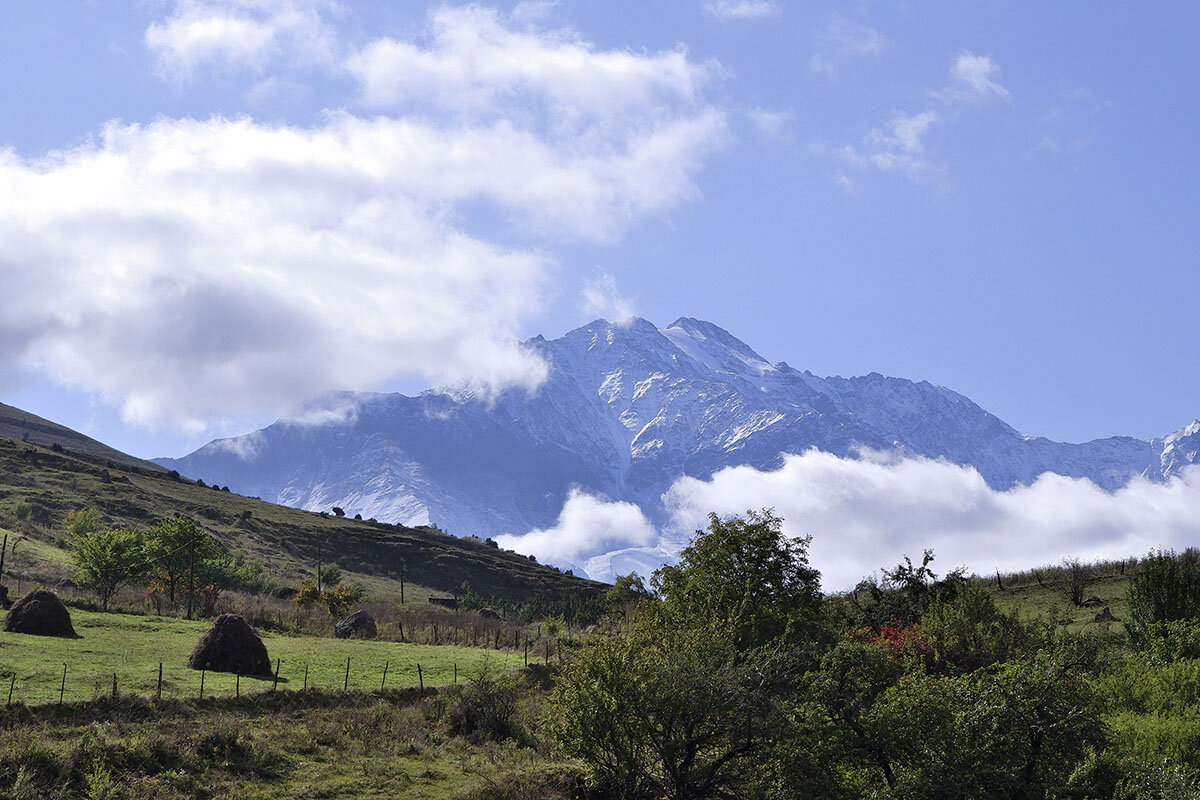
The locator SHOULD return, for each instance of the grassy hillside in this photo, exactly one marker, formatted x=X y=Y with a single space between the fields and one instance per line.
x=40 y=485
x=30 y=428
x=1042 y=594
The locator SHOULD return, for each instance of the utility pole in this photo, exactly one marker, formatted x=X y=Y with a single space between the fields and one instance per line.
x=191 y=577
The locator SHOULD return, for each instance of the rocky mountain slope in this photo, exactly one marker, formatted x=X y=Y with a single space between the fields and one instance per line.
x=626 y=411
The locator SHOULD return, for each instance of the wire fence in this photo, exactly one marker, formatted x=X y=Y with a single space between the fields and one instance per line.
x=172 y=682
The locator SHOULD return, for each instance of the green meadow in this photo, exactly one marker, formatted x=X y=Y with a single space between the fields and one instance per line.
x=131 y=647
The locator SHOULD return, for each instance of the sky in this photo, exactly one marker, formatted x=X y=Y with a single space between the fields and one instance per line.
x=212 y=210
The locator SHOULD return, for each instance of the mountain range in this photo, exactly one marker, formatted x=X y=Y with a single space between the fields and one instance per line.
x=626 y=410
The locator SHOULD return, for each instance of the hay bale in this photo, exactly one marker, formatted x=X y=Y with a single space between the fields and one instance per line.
x=231 y=645
x=41 y=613
x=359 y=624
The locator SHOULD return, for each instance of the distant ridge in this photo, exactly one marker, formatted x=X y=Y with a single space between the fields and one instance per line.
x=23 y=426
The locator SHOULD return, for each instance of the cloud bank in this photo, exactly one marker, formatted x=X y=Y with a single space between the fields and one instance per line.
x=189 y=270
x=867 y=513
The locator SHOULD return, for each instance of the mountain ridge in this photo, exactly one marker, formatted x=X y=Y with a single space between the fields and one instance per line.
x=626 y=410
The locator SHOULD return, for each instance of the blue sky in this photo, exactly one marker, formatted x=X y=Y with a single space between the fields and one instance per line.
x=216 y=208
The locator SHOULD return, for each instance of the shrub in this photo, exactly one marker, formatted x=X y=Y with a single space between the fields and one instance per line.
x=1165 y=589
x=486 y=708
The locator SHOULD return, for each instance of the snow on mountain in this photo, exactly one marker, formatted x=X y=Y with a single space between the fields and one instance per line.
x=625 y=412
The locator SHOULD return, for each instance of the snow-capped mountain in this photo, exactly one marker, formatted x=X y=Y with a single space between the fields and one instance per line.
x=625 y=412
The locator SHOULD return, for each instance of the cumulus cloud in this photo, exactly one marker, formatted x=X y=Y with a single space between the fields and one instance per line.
x=185 y=269
x=867 y=513
x=586 y=526
x=231 y=35
x=741 y=9
x=840 y=40
x=898 y=145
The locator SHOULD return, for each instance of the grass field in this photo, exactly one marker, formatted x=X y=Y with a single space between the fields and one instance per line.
x=1047 y=601
x=132 y=647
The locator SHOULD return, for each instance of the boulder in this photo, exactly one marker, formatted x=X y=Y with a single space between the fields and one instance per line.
x=488 y=613
x=358 y=625
x=231 y=645
x=40 y=613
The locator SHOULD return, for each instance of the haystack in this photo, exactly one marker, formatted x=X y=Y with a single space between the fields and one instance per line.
x=41 y=613
x=231 y=645
x=360 y=624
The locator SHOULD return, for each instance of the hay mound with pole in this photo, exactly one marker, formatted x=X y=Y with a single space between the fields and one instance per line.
x=231 y=645
x=41 y=613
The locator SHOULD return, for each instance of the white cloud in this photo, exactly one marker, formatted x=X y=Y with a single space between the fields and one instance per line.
x=230 y=35
x=602 y=298
x=741 y=9
x=189 y=269
x=770 y=124
x=840 y=40
x=587 y=525
x=974 y=76
x=898 y=145
x=867 y=513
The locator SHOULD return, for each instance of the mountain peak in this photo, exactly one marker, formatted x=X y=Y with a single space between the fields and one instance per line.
x=715 y=347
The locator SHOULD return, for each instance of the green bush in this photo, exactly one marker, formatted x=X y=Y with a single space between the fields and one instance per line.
x=1165 y=589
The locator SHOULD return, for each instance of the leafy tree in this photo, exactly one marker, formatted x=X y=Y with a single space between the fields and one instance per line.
x=627 y=589
x=668 y=711
x=106 y=559
x=748 y=575
x=173 y=548
x=82 y=521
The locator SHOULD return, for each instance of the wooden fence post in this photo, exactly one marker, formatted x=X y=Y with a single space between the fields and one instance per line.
x=11 y=685
x=383 y=682
x=306 y=676
x=456 y=672
x=202 y=684
x=275 y=683
x=237 y=685
x=420 y=679
x=346 y=684
x=158 y=693
x=401 y=624
x=63 y=688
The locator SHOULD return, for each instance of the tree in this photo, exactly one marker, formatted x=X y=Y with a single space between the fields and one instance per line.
x=1165 y=589
x=1075 y=579
x=668 y=711
x=106 y=559
x=748 y=575
x=174 y=548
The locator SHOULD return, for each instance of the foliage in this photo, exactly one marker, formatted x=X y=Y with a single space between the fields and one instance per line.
x=106 y=559
x=902 y=595
x=331 y=575
x=1165 y=589
x=627 y=589
x=667 y=711
x=173 y=548
x=486 y=707
x=1074 y=580
x=745 y=574
x=82 y=522
x=341 y=599
x=308 y=596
